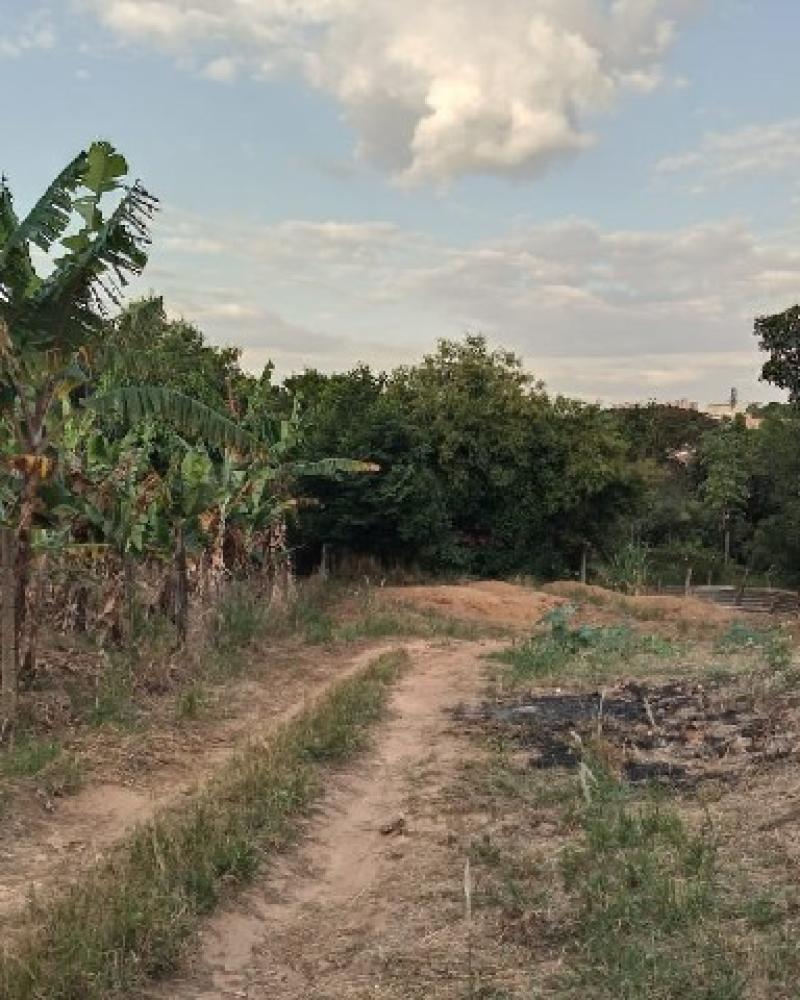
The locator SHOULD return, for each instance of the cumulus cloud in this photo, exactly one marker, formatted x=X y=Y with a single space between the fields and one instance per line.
x=433 y=90
x=768 y=148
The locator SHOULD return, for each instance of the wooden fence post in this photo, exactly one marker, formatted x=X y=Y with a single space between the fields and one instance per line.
x=324 y=566
x=687 y=587
x=8 y=626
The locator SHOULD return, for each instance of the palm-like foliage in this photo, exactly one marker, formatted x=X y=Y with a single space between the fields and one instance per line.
x=135 y=404
x=92 y=225
x=101 y=249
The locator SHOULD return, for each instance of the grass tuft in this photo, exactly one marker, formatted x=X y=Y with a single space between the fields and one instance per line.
x=648 y=899
x=28 y=757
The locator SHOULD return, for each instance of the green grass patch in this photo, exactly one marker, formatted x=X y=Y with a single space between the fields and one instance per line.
x=587 y=649
x=193 y=703
x=114 y=701
x=55 y=770
x=311 y=614
x=241 y=617
x=773 y=643
x=648 y=899
x=384 y=623
x=28 y=757
x=127 y=919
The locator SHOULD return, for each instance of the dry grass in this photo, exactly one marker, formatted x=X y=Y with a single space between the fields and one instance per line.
x=128 y=918
x=689 y=613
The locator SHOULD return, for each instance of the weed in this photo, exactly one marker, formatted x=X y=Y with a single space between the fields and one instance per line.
x=317 y=626
x=64 y=775
x=127 y=919
x=240 y=618
x=628 y=569
x=56 y=771
x=384 y=624
x=192 y=703
x=28 y=757
x=774 y=643
x=647 y=894
x=762 y=911
x=592 y=646
x=114 y=702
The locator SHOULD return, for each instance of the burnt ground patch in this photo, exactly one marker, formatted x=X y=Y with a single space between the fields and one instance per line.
x=678 y=732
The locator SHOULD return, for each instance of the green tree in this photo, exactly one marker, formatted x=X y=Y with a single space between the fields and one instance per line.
x=779 y=336
x=656 y=431
x=775 y=499
x=142 y=346
x=480 y=471
x=725 y=453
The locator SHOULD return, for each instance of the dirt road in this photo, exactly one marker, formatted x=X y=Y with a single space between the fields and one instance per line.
x=333 y=918
x=40 y=847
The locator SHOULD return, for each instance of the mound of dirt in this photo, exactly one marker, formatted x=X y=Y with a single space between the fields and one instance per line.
x=499 y=603
x=690 y=609
x=488 y=601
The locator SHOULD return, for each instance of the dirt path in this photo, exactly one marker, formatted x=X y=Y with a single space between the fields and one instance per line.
x=331 y=920
x=39 y=848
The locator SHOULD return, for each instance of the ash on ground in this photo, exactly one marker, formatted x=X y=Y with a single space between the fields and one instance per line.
x=677 y=733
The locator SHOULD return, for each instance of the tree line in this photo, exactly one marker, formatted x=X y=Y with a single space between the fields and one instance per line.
x=479 y=471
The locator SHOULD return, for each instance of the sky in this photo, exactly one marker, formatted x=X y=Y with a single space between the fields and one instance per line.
x=609 y=188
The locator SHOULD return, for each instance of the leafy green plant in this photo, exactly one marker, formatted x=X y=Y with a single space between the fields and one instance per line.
x=587 y=646
x=773 y=642
x=628 y=569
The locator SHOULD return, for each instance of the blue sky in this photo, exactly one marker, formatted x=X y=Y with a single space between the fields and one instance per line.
x=605 y=186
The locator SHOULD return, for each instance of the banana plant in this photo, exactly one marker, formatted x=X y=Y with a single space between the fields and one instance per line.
x=192 y=489
x=91 y=226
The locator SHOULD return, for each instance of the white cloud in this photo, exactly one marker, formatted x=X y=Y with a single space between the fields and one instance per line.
x=612 y=313
x=756 y=149
x=35 y=32
x=433 y=90
x=221 y=70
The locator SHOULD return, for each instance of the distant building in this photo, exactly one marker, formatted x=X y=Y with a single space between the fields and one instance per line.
x=733 y=408
x=717 y=411
x=675 y=404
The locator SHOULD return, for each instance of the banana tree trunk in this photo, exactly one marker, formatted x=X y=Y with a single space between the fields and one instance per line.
x=129 y=585
x=8 y=631
x=217 y=562
x=280 y=562
x=181 y=586
x=25 y=638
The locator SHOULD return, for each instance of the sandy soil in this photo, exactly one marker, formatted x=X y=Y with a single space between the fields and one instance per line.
x=487 y=601
x=331 y=919
x=43 y=841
